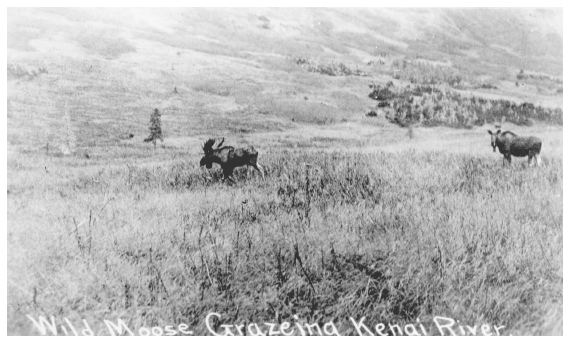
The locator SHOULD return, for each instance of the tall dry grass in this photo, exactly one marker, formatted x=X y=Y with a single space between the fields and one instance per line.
x=327 y=236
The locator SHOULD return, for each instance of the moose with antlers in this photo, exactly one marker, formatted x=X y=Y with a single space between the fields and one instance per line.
x=229 y=158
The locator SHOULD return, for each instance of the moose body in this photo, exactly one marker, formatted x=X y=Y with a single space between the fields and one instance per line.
x=229 y=158
x=510 y=144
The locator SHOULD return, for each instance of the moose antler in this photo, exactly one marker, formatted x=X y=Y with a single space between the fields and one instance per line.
x=208 y=144
x=220 y=144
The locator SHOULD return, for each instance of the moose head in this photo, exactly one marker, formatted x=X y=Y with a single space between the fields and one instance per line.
x=494 y=137
x=209 y=152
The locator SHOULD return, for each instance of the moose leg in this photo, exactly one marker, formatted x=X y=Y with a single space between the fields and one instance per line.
x=530 y=158
x=538 y=160
x=508 y=158
x=259 y=168
x=228 y=174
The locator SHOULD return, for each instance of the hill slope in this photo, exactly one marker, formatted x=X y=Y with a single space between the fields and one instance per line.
x=235 y=70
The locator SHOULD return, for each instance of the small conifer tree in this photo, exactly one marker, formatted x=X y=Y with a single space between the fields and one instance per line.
x=155 y=128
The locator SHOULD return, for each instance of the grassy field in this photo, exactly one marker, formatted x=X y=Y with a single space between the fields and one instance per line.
x=390 y=235
x=357 y=217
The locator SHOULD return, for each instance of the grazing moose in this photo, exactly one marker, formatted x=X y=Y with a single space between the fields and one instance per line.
x=229 y=158
x=512 y=145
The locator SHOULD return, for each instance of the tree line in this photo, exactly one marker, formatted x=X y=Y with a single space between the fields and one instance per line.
x=431 y=105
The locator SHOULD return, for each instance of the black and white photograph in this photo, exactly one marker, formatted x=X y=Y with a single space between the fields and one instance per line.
x=284 y=171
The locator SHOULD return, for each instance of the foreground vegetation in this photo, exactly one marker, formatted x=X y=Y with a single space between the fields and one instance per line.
x=328 y=236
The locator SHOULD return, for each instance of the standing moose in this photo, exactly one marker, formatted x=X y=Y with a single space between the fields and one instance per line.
x=229 y=158
x=512 y=145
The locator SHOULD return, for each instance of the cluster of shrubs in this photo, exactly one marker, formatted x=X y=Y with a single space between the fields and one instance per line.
x=425 y=73
x=522 y=76
x=265 y=21
x=545 y=84
x=486 y=85
x=377 y=62
x=19 y=72
x=331 y=68
x=432 y=106
x=419 y=72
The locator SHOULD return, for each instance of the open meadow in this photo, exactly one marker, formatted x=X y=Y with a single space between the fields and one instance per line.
x=398 y=221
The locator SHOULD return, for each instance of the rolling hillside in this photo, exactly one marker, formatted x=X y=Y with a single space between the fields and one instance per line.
x=234 y=69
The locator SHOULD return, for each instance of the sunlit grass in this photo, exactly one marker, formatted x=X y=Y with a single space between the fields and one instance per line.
x=388 y=236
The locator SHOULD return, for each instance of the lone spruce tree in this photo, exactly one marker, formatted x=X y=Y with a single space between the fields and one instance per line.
x=155 y=128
